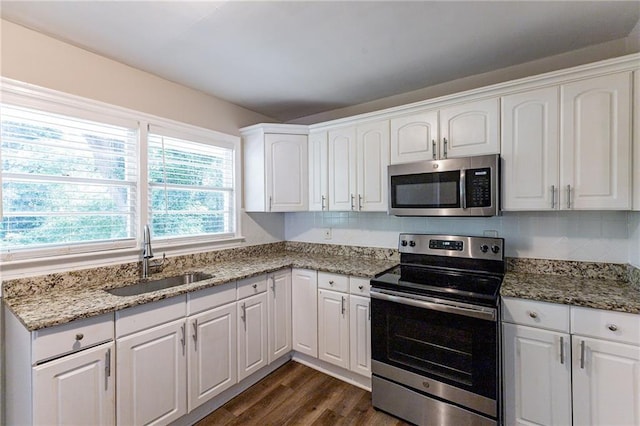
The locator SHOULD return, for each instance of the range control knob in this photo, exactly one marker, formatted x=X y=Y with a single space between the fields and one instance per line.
x=403 y=243
x=412 y=243
x=495 y=249
x=484 y=248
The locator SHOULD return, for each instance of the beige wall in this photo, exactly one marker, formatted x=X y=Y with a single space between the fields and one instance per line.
x=621 y=47
x=35 y=58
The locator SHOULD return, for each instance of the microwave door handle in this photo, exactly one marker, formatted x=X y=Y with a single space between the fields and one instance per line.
x=463 y=193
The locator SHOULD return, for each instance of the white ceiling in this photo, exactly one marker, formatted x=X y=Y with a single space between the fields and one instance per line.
x=292 y=59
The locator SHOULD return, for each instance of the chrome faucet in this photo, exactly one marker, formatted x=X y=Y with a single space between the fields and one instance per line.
x=147 y=253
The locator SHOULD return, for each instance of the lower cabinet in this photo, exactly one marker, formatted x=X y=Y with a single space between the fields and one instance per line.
x=76 y=389
x=333 y=327
x=279 y=311
x=304 y=310
x=360 y=334
x=569 y=365
x=252 y=334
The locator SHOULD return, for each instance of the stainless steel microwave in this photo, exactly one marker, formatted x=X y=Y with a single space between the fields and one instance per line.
x=467 y=186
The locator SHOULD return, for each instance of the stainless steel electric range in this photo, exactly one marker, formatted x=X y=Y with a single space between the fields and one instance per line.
x=435 y=331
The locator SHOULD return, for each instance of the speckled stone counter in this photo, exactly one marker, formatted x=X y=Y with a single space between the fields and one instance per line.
x=589 y=284
x=46 y=301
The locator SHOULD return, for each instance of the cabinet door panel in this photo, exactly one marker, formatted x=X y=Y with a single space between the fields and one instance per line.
x=252 y=335
x=537 y=381
x=606 y=386
x=287 y=174
x=304 y=305
x=212 y=353
x=152 y=375
x=414 y=137
x=596 y=144
x=78 y=389
x=470 y=129
x=360 y=334
x=279 y=306
x=318 y=172
x=530 y=150
x=342 y=169
x=333 y=327
x=373 y=159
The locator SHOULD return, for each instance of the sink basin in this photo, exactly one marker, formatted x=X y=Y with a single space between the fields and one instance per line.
x=161 y=284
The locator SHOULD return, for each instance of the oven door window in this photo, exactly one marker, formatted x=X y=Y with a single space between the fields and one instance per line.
x=426 y=190
x=454 y=349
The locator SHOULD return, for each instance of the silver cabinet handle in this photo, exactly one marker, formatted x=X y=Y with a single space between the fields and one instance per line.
x=195 y=331
x=273 y=285
x=568 y=196
x=182 y=339
x=270 y=202
x=352 y=202
x=445 y=147
x=322 y=202
x=582 y=354
x=561 y=349
x=107 y=368
x=553 y=196
x=243 y=317
x=612 y=327
x=433 y=148
x=533 y=314
x=360 y=202
x=343 y=305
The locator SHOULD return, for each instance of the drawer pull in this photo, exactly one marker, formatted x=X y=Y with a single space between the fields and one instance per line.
x=255 y=286
x=330 y=282
x=360 y=287
x=533 y=314
x=612 y=327
x=79 y=336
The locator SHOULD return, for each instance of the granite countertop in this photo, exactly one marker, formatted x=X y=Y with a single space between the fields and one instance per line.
x=613 y=295
x=62 y=305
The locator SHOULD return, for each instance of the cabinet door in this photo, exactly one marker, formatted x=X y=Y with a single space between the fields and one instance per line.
x=372 y=156
x=414 y=137
x=530 y=150
x=152 y=375
x=252 y=335
x=304 y=307
x=213 y=355
x=636 y=141
x=606 y=382
x=77 y=389
x=360 y=334
x=596 y=144
x=318 y=172
x=470 y=129
x=279 y=309
x=342 y=169
x=286 y=172
x=537 y=376
x=333 y=327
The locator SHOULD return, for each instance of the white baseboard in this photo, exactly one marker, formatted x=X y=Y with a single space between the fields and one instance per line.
x=334 y=371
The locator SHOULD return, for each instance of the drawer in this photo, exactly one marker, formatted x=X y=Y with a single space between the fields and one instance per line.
x=211 y=298
x=250 y=286
x=609 y=325
x=335 y=282
x=74 y=336
x=149 y=315
x=551 y=316
x=359 y=286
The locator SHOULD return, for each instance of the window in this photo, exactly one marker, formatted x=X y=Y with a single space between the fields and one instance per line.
x=191 y=186
x=65 y=180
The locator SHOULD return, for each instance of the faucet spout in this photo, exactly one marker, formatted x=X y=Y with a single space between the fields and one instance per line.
x=147 y=251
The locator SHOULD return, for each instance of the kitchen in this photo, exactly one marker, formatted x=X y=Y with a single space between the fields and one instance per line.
x=587 y=236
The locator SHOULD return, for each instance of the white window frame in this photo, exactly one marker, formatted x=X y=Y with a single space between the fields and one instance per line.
x=27 y=262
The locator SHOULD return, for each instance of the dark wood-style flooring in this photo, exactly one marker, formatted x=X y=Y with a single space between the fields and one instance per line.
x=295 y=394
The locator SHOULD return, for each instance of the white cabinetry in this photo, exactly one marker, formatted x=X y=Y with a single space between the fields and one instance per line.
x=275 y=168
x=456 y=131
x=358 y=157
x=360 y=334
x=333 y=327
x=636 y=141
x=279 y=310
x=318 y=171
x=592 y=372
x=60 y=375
x=252 y=326
x=304 y=305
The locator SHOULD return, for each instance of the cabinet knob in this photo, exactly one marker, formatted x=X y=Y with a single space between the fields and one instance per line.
x=331 y=282
x=255 y=286
x=79 y=336
x=533 y=314
x=612 y=327
x=360 y=287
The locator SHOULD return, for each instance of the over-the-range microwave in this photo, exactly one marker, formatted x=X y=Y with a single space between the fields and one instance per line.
x=467 y=186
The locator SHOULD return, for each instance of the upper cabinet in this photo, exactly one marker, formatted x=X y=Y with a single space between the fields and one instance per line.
x=568 y=147
x=275 y=168
x=636 y=139
x=456 y=131
x=318 y=171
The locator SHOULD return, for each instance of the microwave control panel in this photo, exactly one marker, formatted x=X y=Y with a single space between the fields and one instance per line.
x=478 y=187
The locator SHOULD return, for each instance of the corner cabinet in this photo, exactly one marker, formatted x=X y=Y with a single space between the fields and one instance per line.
x=276 y=175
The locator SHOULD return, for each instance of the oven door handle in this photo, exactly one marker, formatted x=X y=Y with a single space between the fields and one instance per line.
x=435 y=305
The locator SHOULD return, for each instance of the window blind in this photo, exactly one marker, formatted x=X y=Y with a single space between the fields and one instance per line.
x=66 y=181
x=191 y=186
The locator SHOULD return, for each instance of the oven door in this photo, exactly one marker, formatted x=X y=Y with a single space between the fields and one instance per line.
x=443 y=349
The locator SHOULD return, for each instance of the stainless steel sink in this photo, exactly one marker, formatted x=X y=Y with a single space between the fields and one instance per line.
x=161 y=284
